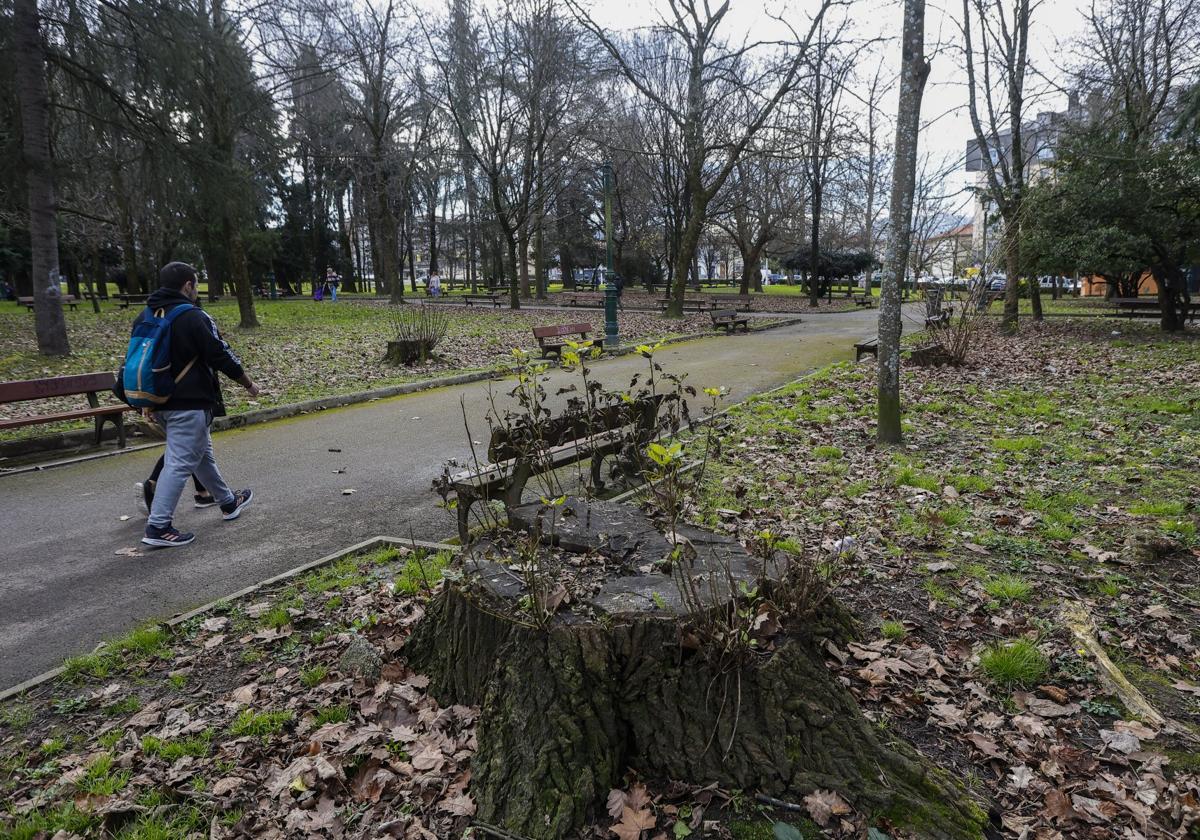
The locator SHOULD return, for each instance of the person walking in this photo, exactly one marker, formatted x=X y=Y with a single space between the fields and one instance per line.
x=331 y=283
x=197 y=354
x=435 y=284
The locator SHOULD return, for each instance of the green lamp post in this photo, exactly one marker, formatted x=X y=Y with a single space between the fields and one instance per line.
x=612 y=337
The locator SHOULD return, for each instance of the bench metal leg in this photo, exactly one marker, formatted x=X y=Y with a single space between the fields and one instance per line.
x=120 y=421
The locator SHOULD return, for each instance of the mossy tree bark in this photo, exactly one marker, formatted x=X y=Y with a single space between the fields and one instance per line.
x=567 y=710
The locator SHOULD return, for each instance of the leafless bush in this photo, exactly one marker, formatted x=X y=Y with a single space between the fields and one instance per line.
x=417 y=330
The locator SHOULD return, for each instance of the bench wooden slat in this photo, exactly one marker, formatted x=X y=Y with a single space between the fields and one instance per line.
x=59 y=386
x=81 y=414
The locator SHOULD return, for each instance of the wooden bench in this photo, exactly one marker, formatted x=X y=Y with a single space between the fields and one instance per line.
x=67 y=300
x=870 y=347
x=728 y=320
x=471 y=300
x=743 y=302
x=585 y=298
x=866 y=301
x=1149 y=307
x=554 y=348
x=692 y=304
x=518 y=453
x=124 y=301
x=942 y=319
x=90 y=384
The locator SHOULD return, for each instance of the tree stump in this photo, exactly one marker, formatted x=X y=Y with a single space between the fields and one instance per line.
x=406 y=352
x=612 y=683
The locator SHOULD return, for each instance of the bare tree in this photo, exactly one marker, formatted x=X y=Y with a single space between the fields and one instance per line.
x=914 y=70
x=996 y=51
x=710 y=67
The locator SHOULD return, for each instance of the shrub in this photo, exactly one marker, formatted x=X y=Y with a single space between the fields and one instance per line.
x=1017 y=663
x=418 y=330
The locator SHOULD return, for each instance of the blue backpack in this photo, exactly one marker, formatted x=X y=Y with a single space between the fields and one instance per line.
x=146 y=375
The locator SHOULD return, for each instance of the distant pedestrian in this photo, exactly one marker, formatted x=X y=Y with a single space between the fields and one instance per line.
x=619 y=282
x=435 y=284
x=6 y=291
x=332 y=281
x=185 y=400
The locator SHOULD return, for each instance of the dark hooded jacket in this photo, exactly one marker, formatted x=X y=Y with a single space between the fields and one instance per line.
x=194 y=336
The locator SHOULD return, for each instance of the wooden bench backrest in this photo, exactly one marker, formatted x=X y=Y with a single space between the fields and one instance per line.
x=738 y=298
x=59 y=386
x=562 y=329
x=506 y=443
x=24 y=301
x=722 y=314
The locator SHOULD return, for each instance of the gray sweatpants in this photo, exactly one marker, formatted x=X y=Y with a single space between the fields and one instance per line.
x=189 y=451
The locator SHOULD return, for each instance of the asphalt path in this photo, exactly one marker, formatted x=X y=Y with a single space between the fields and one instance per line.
x=72 y=570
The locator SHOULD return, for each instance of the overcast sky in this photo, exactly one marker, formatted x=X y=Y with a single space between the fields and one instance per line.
x=1055 y=26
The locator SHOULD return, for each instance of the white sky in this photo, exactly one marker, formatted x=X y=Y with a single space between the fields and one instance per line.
x=1055 y=26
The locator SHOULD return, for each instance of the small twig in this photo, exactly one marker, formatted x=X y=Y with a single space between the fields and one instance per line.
x=779 y=803
x=496 y=831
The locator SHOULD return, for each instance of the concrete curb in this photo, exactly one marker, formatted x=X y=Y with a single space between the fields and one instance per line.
x=281 y=412
x=175 y=621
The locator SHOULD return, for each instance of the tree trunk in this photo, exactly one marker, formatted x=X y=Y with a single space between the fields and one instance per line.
x=1012 y=267
x=914 y=70
x=568 y=709
x=240 y=278
x=814 y=247
x=1171 y=284
x=685 y=255
x=50 y=324
x=523 y=263
x=514 y=290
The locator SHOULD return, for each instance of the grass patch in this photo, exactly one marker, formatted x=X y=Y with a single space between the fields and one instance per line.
x=1008 y=588
x=100 y=778
x=827 y=453
x=45 y=824
x=276 y=619
x=969 y=483
x=421 y=572
x=332 y=714
x=196 y=746
x=260 y=724
x=1025 y=443
x=1015 y=664
x=909 y=476
x=893 y=630
x=313 y=676
x=1159 y=508
x=341 y=575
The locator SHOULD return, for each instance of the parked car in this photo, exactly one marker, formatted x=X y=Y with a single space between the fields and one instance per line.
x=998 y=283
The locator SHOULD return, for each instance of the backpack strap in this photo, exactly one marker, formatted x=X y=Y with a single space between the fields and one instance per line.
x=171 y=316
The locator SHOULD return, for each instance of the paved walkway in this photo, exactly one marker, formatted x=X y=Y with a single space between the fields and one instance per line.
x=66 y=581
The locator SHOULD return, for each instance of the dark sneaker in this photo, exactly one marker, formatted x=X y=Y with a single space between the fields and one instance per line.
x=205 y=501
x=167 y=537
x=240 y=499
x=145 y=496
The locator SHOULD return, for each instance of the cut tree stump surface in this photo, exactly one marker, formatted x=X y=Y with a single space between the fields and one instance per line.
x=616 y=680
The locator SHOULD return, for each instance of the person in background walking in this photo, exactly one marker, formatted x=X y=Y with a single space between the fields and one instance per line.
x=332 y=280
x=435 y=284
x=197 y=354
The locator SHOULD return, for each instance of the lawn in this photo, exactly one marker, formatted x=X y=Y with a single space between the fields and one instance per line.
x=304 y=349
x=1057 y=475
